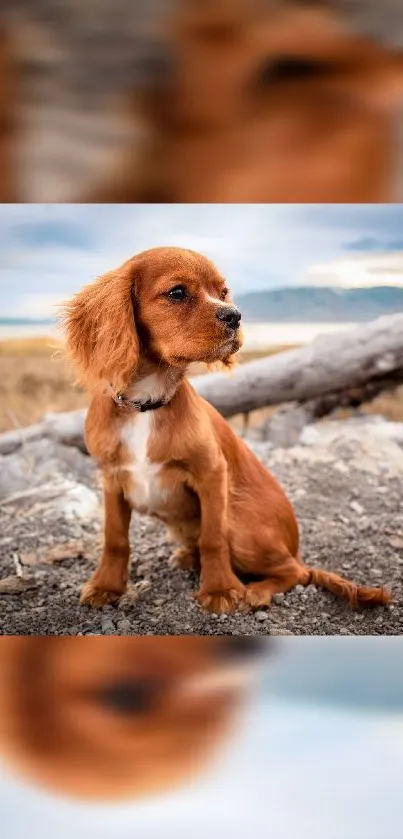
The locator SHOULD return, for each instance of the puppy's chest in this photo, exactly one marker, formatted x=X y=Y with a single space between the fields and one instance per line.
x=141 y=477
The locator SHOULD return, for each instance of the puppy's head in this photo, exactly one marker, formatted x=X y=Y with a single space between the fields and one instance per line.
x=168 y=305
x=118 y=717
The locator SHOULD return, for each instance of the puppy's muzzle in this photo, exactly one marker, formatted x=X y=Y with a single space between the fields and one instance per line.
x=229 y=316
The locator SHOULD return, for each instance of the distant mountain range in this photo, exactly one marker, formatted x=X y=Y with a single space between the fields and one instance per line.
x=312 y=304
x=302 y=304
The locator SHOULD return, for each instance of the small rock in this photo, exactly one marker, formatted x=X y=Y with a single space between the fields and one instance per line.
x=339 y=466
x=278 y=598
x=309 y=436
x=357 y=508
x=375 y=572
x=396 y=542
x=261 y=616
x=16 y=585
x=124 y=625
x=108 y=627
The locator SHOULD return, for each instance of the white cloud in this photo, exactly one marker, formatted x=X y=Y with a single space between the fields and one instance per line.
x=255 y=246
x=358 y=271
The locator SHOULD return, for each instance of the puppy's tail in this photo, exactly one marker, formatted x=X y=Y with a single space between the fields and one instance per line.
x=366 y=596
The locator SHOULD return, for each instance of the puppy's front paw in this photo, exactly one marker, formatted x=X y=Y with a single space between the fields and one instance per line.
x=222 y=602
x=93 y=594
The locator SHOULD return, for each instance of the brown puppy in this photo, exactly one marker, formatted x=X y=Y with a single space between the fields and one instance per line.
x=277 y=105
x=166 y=452
x=119 y=717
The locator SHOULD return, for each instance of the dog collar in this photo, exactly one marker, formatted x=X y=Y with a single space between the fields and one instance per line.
x=150 y=405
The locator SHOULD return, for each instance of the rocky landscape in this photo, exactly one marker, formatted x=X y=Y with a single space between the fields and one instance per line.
x=344 y=478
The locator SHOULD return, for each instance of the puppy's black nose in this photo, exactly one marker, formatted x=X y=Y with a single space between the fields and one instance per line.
x=229 y=315
x=243 y=646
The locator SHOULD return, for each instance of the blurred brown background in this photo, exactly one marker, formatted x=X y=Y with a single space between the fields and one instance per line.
x=77 y=60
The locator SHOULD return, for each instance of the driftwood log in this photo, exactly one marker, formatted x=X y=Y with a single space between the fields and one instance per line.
x=347 y=367
x=344 y=369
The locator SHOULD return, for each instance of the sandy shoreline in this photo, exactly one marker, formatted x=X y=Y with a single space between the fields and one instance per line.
x=257 y=335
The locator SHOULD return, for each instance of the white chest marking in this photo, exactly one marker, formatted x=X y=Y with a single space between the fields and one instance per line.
x=146 y=493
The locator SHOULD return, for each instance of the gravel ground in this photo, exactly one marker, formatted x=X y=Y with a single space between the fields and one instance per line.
x=347 y=494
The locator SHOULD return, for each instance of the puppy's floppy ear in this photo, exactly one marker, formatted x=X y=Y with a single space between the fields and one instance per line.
x=100 y=330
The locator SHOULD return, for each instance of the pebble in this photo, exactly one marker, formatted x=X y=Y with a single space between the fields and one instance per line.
x=124 y=625
x=261 y=616
x=107 y=625
x=357 y=508
x=278 y=598
x=376 y=572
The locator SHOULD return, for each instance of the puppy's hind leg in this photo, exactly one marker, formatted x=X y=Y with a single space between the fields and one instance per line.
x=287 y=574
x=186 y=557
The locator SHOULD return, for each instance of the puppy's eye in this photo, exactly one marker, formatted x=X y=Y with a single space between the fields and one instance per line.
x=178 y=293
x=290 y=68
x=128 y=697
x=223 y=294
x=240 y=647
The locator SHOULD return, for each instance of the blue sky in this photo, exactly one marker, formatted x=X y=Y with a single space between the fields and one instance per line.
x=49 y=251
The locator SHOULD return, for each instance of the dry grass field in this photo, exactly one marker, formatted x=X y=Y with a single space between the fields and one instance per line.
x=35 y=378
